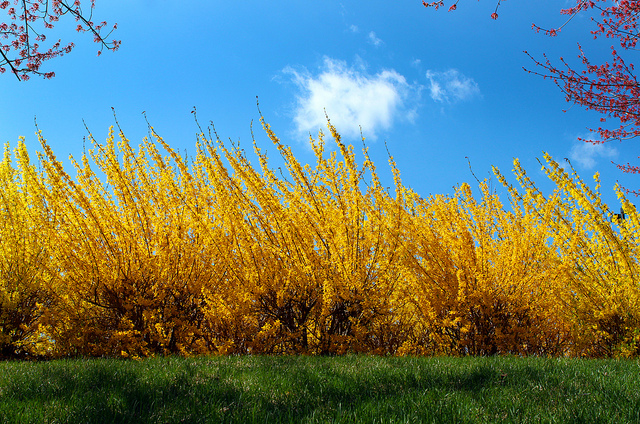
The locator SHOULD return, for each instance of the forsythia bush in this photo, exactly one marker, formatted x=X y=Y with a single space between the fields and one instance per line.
x=145 y=252
x=25 y=259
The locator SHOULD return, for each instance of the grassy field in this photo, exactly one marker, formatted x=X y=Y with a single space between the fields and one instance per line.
x=349 y=389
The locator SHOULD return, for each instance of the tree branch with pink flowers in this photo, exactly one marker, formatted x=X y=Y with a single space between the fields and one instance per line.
x=21 y=35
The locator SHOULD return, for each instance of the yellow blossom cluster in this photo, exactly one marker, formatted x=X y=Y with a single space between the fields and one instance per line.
x=147 y=253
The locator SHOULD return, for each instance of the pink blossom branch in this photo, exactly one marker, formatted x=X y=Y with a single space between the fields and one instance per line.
x=27 y=58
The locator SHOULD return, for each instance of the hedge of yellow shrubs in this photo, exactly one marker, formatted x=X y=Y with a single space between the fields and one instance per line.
x=146 y=253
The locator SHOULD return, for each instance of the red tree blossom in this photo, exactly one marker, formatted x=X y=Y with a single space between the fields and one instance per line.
x=20 y=36
x=610 y=88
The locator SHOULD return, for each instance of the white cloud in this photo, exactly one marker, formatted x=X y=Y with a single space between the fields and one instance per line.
x=374 y=40
x=354 y=28
x=352 y=99
x=586 y=154
x=451 y=86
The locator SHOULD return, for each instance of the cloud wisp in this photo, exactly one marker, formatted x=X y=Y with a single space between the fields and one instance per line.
x=352 y=98
x=586 y=154
x=451 y=86
x=373 y=39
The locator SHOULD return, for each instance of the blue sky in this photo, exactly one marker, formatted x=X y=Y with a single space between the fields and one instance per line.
x=435 y=86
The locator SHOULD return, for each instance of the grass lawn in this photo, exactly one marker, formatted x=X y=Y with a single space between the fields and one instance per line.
x=298 y=389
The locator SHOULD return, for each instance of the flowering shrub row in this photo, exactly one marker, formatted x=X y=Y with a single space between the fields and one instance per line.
x=145 y=253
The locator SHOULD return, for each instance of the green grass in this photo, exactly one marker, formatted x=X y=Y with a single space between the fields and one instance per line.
x=298 y=389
